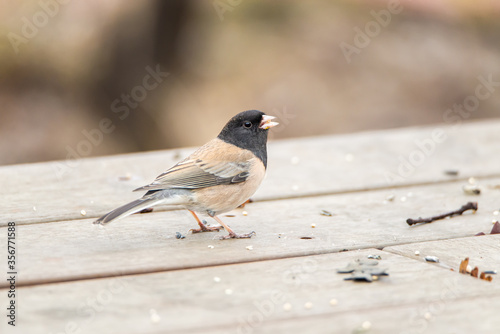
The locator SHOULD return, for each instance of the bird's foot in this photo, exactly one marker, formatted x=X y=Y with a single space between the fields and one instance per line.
x=233 y=235
x=204 y=227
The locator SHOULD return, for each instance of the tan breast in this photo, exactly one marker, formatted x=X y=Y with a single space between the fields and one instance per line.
x=223 y=198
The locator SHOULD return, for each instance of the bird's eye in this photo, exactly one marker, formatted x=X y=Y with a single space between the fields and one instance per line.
x=247 y=124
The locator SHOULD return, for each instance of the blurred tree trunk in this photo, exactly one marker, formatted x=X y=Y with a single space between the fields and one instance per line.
x=144 y=38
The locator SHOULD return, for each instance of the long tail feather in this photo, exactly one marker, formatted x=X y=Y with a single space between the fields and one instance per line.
x=128 y=209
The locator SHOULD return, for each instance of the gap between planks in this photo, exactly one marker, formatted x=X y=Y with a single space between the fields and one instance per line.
x=262 y=259
x=305 y=196
x=405 y=276
x=349 y=230
x=322 y=170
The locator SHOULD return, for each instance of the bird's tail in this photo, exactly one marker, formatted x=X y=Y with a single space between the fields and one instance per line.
x=128 y=209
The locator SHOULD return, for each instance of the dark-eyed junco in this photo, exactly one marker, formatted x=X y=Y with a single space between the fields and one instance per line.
x=216 y=178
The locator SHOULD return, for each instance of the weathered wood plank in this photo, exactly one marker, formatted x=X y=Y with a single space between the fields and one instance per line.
x=306 y=166
x=460 y=315
x=146 y=243
x=482 y=251
x=245 y=298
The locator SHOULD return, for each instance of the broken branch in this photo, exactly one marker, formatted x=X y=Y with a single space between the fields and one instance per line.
x=466 y=207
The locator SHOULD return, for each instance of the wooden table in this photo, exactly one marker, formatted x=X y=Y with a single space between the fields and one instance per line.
x=134 y=276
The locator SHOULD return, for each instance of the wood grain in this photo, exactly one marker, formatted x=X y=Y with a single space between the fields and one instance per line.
x=250 y=297
x=134 y=276
x=56 y=191
x=459 y=315
x=70 y=250
x=482 y=251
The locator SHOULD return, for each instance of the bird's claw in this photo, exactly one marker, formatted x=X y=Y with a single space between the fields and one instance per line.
x=233 y=235
x=204 y=227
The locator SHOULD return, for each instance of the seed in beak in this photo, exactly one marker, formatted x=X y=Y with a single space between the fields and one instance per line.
x=267 y=122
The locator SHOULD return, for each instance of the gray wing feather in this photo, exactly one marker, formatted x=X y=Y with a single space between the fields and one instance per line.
x=194 y=174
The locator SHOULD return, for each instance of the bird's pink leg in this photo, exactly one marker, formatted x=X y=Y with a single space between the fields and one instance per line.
x=203 y=227
x=231 y=232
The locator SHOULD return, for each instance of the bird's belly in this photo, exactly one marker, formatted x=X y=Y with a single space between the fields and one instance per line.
x=223 y=198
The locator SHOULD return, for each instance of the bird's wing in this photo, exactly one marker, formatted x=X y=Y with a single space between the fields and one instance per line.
x=197 y=173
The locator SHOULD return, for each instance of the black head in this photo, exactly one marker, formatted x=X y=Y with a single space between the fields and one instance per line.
x=248 y=130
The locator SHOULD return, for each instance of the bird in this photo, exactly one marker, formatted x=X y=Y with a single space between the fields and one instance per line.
x=216 y=178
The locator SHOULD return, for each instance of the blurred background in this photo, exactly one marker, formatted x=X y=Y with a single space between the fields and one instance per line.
x=90 y=78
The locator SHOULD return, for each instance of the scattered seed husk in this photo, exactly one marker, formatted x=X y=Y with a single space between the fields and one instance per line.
x=463 y=266
x=125 y=177
x=496 y=228
x=471 y=189
x=178 y=235
x=451 y=172
x=430 y=258
x=155 y=317
x=325 y=213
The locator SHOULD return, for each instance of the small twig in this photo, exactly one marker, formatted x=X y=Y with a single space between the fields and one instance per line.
x=466 y=207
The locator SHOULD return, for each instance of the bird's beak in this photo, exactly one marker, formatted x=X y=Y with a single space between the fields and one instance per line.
x=267 y=123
